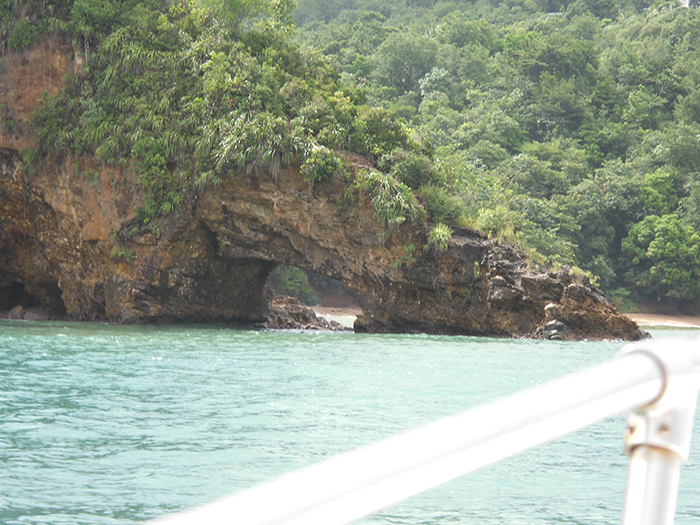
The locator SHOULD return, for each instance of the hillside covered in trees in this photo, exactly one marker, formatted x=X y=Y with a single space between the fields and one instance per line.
x=569 y=129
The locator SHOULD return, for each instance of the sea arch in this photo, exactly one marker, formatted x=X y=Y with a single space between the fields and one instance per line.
x=209 y=261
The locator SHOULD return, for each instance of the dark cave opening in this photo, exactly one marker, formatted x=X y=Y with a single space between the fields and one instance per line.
x=15 y=295
x=43 y=302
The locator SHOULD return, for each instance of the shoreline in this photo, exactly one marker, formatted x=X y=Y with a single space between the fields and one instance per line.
x=643 y=320
x=336 y=311
x=346 y=316
x=658 y=320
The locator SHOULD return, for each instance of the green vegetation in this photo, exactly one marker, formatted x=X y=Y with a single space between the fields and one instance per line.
x=119 y=252
x=321 y=164
x=408 y=256
x=561 y=126
x=288 y=280
x=662 y=256
x=393 y=202
x=24 y=23
x=570 y=128
x=439 y=236
x=309 y=287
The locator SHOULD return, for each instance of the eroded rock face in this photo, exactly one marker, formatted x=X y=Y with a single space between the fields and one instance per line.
x=211 y=261
x=211 y=265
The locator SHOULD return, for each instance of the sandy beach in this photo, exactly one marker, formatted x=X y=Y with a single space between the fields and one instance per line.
x=340 y=314
x=679 y=321
x=336 y=311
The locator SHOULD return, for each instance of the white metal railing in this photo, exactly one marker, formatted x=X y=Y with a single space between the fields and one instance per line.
x=659 y=384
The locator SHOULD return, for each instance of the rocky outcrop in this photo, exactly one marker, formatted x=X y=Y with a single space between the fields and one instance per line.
x=210 y=261
x=287 y=313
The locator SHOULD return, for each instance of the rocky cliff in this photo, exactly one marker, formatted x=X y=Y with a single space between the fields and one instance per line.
x=209 y=262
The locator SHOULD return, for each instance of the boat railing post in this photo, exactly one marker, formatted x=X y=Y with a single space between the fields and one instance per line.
x=657 y=441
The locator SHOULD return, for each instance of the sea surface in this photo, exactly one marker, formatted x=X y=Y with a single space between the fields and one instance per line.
x=105 y=424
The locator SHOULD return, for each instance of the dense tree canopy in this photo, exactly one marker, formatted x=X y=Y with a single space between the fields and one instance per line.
x=562 y=126
x=662 y=254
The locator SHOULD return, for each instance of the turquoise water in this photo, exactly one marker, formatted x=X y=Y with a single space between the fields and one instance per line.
x=112 y=424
